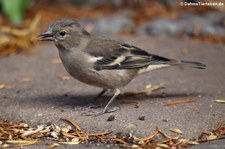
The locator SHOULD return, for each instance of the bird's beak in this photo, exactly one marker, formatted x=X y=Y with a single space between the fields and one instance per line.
x=46 y=36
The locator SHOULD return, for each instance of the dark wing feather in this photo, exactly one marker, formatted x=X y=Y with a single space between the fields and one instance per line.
x=121 y=56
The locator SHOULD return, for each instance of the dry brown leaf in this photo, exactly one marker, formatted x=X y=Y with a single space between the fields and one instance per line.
x=18 y=40
x=68 y=135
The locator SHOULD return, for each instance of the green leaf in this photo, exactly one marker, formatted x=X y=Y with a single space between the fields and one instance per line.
x=15 y=10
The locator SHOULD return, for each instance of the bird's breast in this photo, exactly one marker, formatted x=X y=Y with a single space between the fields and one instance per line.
x=79 y=66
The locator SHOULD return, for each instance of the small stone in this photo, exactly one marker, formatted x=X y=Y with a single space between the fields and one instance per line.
x=141 y=118
x=163 y=95
x=111 y=118
x=165 y=120
x=40 y=114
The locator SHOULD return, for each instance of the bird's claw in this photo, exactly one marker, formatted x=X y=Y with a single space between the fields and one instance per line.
x=98 y=113
x=87 y=107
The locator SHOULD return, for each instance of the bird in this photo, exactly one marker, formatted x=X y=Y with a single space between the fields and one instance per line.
x=101 y=61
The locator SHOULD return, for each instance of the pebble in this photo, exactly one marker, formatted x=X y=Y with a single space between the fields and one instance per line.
x=111 y=118
x=141 y=118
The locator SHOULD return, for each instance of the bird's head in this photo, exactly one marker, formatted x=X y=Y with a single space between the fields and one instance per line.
x=64 y=33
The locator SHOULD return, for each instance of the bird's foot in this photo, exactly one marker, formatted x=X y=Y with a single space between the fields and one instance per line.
x=87 y=107
x=97 y=113
x=91 y=106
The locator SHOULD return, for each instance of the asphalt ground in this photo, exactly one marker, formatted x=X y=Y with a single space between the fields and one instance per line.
x=47 y=97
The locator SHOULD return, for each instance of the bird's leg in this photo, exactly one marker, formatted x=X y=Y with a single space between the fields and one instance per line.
x=117 y=92
x=92 y=105
x=101 y=93
x=105 y=110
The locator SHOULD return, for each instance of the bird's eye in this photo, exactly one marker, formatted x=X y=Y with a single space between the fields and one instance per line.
x=62 y=33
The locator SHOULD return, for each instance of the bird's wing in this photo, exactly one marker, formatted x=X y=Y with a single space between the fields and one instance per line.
x=111 y=54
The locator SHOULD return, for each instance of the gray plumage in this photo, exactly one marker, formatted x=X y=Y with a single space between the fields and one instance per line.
x=103 y=62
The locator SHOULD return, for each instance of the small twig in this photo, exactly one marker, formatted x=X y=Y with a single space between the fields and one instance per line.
x=73 y=123
x=169 y=103
x=133 y=102
x=121 y=141
x=53 y=145
x=99 y=134
x=219 y=125
x=165 y=135
x=28 y=133
x=69 y=135
x=149 y=137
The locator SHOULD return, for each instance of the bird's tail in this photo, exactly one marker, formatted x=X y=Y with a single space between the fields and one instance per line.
x=188 y=64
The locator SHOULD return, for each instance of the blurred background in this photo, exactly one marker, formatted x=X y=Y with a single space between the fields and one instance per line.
x=22 y=20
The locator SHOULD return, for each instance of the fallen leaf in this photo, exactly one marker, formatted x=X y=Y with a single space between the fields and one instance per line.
x=2 y=86
x=14 y=40
x=21 y=141
x=136 y=146
x=211 y=137
x=64 y=77
x=193 y=143
x=76 y=140
x=28 y=133
x=56 y=61
x=54 y=145
x=148 y=86
x=163 y=145
x=175 y=130
x=220 y=101
x=66 y=128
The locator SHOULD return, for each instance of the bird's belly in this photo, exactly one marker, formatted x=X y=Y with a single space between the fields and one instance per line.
x=84 y=72
x=110 y=79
